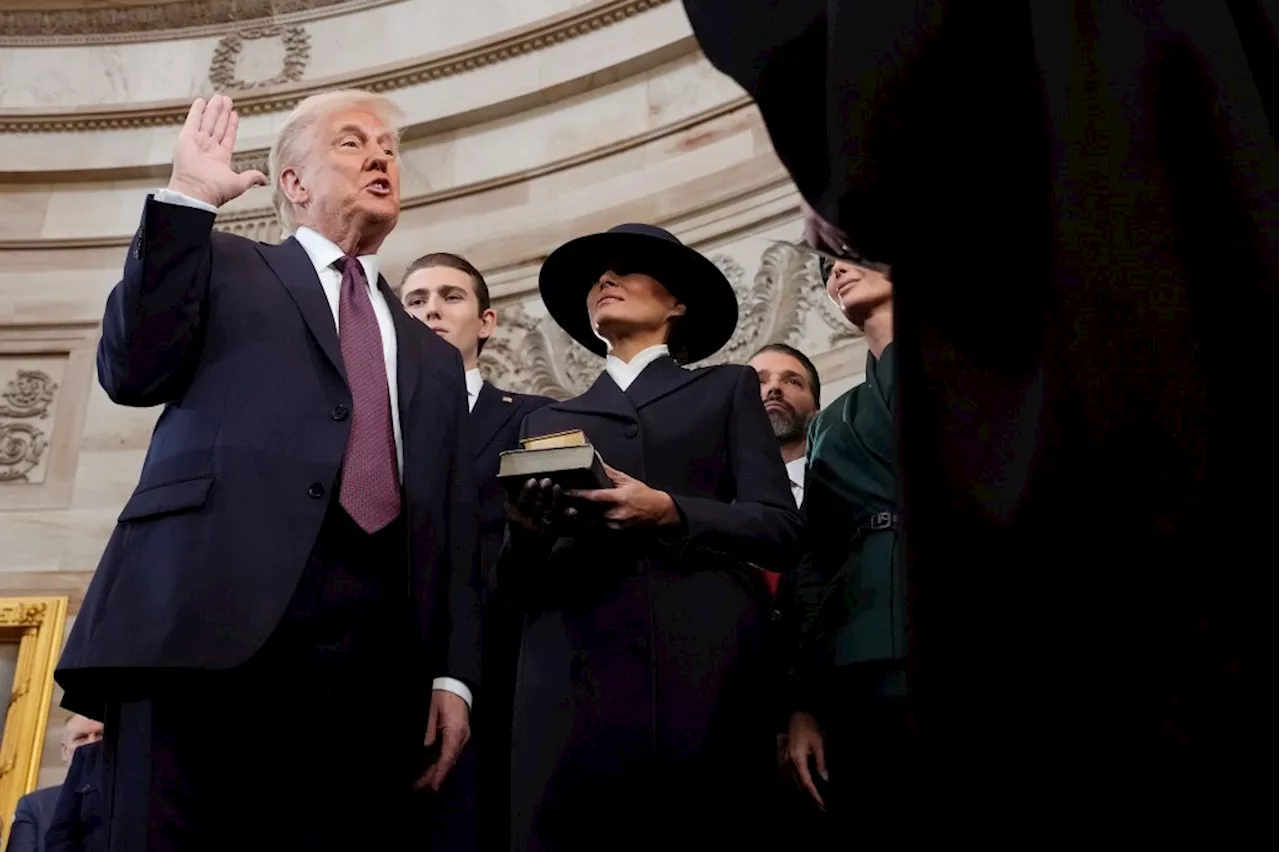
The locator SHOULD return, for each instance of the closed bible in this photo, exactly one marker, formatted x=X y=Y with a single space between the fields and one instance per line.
x=566 y=458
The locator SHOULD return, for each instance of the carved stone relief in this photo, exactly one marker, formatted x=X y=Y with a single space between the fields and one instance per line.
x=780 y=300
x=226 y=56
x=26 y=408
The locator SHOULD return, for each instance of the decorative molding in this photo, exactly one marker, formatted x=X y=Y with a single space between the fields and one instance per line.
x=255 y=158
x=45 y=376
x=259 y=223
x=35 y=625
x=29 y=395
x=517 y=42
x=23 y=444
x=297 y=52
x=16 y=612
x=162 y=21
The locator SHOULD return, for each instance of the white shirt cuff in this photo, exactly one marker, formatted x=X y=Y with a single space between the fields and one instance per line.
x=457 y=687
x=168 y=196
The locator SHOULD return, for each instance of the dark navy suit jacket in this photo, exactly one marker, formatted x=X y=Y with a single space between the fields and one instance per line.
x=31 y=820
x=236 y=340
x=79 y=819
x=495 y=427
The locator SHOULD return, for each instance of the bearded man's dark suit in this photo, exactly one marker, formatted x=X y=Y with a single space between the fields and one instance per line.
x=1078 y=201
x=237 y=606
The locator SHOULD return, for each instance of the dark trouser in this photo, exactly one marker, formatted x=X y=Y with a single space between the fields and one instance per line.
x=865 y=735
x=310 y=745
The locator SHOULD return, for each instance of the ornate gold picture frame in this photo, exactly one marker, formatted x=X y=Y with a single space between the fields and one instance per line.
x=31 y=630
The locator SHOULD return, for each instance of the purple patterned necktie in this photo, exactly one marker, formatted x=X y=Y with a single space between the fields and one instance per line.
x=370 y=482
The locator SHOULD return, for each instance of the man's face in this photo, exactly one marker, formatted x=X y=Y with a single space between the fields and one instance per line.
x=350 y=177
x=445 y=299
x=787 y=394
x=858 y=290
x=79 y=731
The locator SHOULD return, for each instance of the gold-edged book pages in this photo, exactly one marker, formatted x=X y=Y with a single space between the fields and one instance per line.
x=555 y=440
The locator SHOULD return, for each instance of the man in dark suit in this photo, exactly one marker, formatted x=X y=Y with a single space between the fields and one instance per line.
x=35 y=811
x=1078 y=202
x=79 y=819
x=301 y=542
x=450 y=295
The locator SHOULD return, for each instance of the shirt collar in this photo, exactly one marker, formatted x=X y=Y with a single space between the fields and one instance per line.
x=795 y=471
x=625 y=372
x=474 y=382
x=323 y=252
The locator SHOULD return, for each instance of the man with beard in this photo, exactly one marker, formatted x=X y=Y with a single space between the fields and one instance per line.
x=790 y=390
x=792 y=394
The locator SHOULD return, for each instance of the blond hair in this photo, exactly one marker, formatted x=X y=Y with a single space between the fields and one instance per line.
x=297 y=136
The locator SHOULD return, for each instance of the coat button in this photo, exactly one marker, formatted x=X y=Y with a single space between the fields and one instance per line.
x=339 y=412
x=316 y=490
x=640 y=644
x=632 y=430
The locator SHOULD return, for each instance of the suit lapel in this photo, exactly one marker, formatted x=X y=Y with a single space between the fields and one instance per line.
x=490 y=414
x=291 y=264
x=408 y=351
x=660 y=378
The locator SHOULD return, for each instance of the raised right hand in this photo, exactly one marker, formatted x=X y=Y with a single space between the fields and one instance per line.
x=202 y=156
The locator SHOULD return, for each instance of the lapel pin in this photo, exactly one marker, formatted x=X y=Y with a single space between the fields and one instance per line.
x=507 y=399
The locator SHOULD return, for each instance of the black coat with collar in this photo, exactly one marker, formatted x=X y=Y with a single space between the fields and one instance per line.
x=237 y=341
x=638 y=720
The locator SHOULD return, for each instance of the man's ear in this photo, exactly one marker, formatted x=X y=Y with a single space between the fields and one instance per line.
x=677 y=310
x=293 y=188
x=488 y=323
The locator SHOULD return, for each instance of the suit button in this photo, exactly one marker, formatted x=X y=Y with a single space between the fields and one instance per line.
x=316 y=490
x=632 y=430
x=339 y=412
x=640 y=644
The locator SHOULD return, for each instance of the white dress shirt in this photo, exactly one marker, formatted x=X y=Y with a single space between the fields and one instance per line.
x=323 y=254
x=474 y=382
x=625 y=372
x=795 y=472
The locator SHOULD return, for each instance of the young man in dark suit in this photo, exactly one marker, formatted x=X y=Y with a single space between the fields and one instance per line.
x=450 y=295
x=302 y=539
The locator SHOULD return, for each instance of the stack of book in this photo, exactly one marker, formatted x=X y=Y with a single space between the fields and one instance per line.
x=565 y=458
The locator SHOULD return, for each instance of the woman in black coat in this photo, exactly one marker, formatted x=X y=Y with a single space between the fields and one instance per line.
x=638 y=722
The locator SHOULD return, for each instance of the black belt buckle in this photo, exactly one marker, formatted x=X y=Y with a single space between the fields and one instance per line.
x=881 y=521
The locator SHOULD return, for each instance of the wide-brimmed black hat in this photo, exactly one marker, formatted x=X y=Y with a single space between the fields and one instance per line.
x=711 y=307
